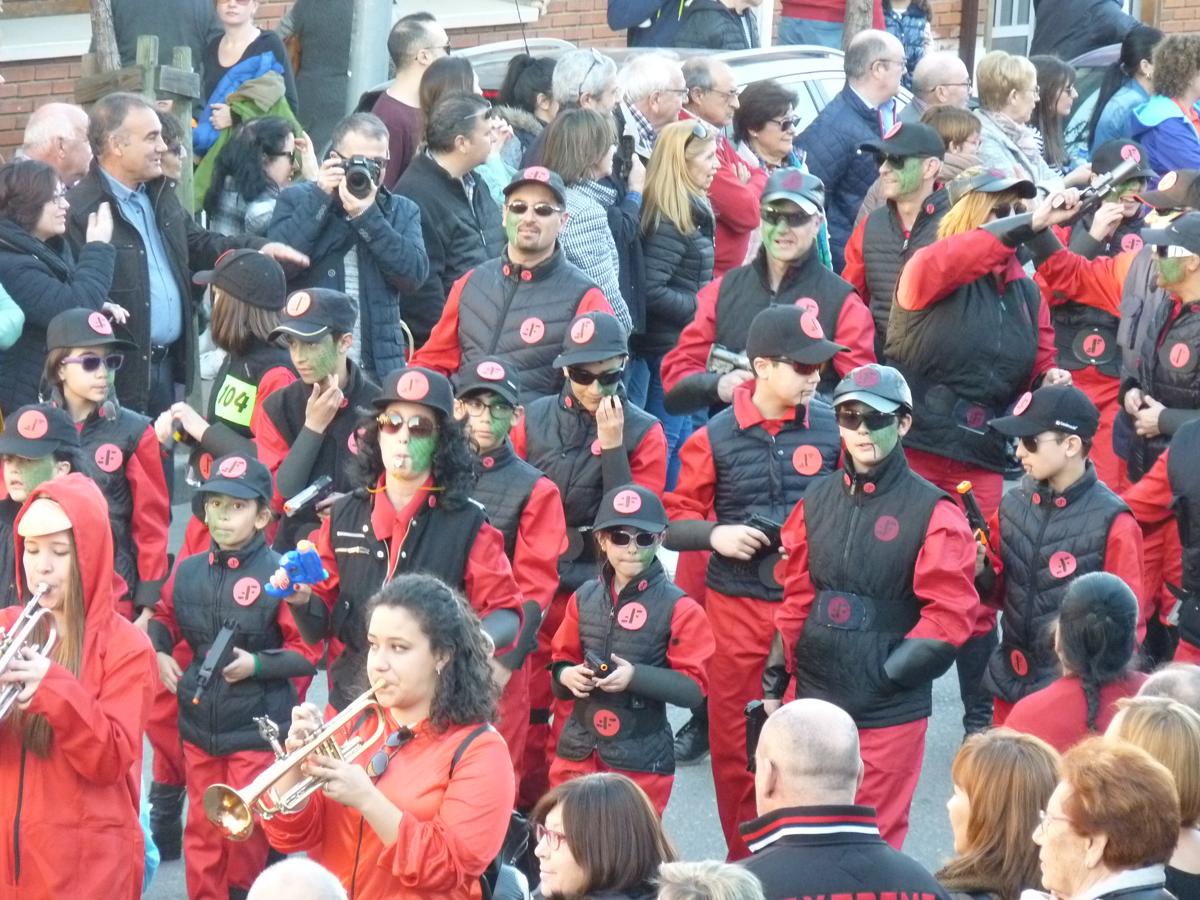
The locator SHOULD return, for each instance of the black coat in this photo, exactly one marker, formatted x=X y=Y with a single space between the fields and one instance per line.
x=713 y=25
x=677 y=266
x=459 y=232
x=43 y=281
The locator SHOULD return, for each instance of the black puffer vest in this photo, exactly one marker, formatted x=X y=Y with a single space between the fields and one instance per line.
x=285 y=409
x=210 y=588
x=887 y=248
x=628 y=731
x=768 y=476
x=235 y=389
x=560 y=440
x=1184 y=476
x=438 y=542
x=1046 y=540
x=966 y=359
x=746 y=291
x=8 y=549
x=522 y=315
x=864 y=534
x=504 y=485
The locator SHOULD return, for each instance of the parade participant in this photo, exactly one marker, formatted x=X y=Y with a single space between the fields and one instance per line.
x=969 y=332
x=517 y=306
x=525 y=507
x=310 y=428
x=40 y=443
x=785 y=271
x=630 y=642
x=746 y=469
x=587 y=440
x=209 y=594
x=119 y=447
x=1059 y=523
x=411 y=511
x=872 y=632
x=910 y=158
x=422 y=812
x=71 y=748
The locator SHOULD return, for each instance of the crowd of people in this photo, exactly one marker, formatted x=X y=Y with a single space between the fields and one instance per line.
x=522 y=422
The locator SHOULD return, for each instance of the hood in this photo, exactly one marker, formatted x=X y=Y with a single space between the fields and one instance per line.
x=1152 y=113
x=520 y=119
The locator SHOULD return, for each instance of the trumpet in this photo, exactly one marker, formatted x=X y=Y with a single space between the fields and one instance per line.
x=17 y=638
x=232 y=811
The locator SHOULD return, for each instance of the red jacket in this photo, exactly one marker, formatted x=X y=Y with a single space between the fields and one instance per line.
x=541 y=540
x=1058 y=712
x=74 y=814
x=1151 y=502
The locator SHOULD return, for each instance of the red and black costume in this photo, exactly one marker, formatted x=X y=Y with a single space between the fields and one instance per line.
x=1058 y=713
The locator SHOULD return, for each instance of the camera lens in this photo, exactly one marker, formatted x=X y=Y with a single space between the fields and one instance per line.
x=358 y=180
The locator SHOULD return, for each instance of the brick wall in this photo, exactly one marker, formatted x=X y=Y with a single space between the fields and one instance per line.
x=28 y=85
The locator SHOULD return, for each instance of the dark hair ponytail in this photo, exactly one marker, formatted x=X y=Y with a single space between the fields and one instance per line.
x=527 y=76
x=1138 y=44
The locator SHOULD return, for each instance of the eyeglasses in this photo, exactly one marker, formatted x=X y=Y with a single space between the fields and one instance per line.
x=445 y=48
x=699 y=133
x=621 y=538
x=728 y=95
x=780 y=217
x=178 y=150
x=798 y=367
x=1044 y=817
x=1004 y=210
x=965 y=84
x=553 y=839
x=852 y=420
x=59 y=196
x=583 y=377
x=891 y=62
x=497 y=409
x=1035 y=91
x=391 y=744
x=418 y=426
x=894 y=162
x=1171 y=251
x=1033 y=444
x=597 y=60
x=90 y=362
x=541 y=210
x=787 y=124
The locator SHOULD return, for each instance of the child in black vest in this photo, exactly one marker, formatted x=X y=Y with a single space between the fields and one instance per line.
x=630 y=642
x=245 y=649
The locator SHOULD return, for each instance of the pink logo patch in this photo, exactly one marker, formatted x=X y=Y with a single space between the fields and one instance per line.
x=976 y=416
x=205 y=465
x=809 y=305
x=1179 y=355
x=1131 y=152
x=234 y=467
x=298 y=304
x=490 y=371
x=32 y=424
x=887 y=528
x=865 y=376
x=810 y=326
x=352 y=443
x=246 y=591
x=596 y=447
x=1168 y=181
x=537 y=173
x=606 y=723
x=109 y=457
x=632 y=616
x=1062 y=564
x=806 y=459
x=1022 y=403
x=893 y=131
x=532 y=330
x=1019 y=663
x=582 y=330
x=412 y=386
x=1132 y=242
x=627 y=502
x=99 y=323
x=839 y=610
x=1093 y=345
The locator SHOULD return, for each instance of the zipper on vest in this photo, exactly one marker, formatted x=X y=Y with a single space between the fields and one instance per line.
x=509 y=294
x=351 y=550
x=17 y=818
x=854 y=510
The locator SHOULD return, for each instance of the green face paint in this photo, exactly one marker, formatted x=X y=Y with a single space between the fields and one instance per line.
x=1171 y=269
x=769 y=234
x=608 y=390
x=33 y=472
x=421 y=451
x=511 y=224
x=886 y=438
x=646 y=555
x=908 y=176
x=319 y=358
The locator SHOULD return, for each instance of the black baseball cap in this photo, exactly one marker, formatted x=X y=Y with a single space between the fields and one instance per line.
x=805 y=190
x=83 y=328
x=249 y=276
x=234 y=475
x=491 y=373
x=539 y=175
x=1179 y=189
x=1112 y=153
x=312 y=313
x=632 y=506
x=592 y=337
x=1052 y=407
x=880 y=387
x=36 y=431
x=992 y=181
x=908 y=139
x=416 y=384
x=1182 y=232
x=784 y=331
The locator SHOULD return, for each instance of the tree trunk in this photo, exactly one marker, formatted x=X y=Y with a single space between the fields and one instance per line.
x=104 y=37
x=859 y=16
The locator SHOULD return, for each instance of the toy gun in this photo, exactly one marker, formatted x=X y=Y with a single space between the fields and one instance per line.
x=218 y=656
x=307 y=499
x=722 y=360
x=771 y=529
x=1092 y=196
x=299 y=566
x=975 y=519
x=756 y=718
x=601 y=666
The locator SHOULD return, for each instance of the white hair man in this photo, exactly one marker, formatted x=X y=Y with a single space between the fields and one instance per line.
x=653 y=90
x=296 y=878
x=57 y=134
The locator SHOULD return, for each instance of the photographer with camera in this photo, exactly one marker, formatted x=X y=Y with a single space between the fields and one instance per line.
x=363 y=240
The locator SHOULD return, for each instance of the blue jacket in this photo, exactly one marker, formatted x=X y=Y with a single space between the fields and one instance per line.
x=1169 y=138
x=1114 y=120
x=831 y=144
x=663 y=15
x=204 y=135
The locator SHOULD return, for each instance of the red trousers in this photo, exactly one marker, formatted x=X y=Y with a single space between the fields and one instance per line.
x=657 y=787
x=1102 y=390
x=535 y=768
x=892 y=759
x=1000 y=710
x=513 y=719
x=214 y=863
x=1187 y=653
x=691 y=568
x=162 y=730
x=744 y=629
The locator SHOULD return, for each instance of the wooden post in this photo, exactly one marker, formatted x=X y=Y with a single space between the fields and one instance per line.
x=859 y=16
x=181 y=109
x=968 y=33
x=147 y=62
x=104 y=37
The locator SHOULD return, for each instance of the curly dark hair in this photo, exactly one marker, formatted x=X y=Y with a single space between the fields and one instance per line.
x=26 y=186
x=455 y=467
x=243 y=160
x=465 y=693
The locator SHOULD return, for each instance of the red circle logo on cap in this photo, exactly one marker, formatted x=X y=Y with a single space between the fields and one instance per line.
x=1132 y=242
x=808 y=305
x=532 y=330
x=234 y=467
x=893 y=131
x=887 y=528
x=109 y=457
x=490 y=371
x=627 y=502
x=632 y=616
x=205 y=465
x=1131 y=152
x=412 y=386
x=1168 y=181
x=1062 y=564
x=606 y=723
x=1094 y=344
x=246 y=591
x=810 y=326
x=1022 y=403
x=1180 y=354
x=299 y=303
x=1019 y=663
x=32 y=424
x=806 y=459
x=537 y=173
x=865 y=376
x=582 y=330
x=99 y=323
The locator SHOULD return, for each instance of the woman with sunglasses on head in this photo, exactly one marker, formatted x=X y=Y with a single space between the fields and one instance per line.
x=39 y=273
x=118 y=445
x=630 y=642
x=423 y=810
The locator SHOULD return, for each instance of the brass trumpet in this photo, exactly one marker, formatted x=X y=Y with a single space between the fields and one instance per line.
x=18 y=637
x=232 y=811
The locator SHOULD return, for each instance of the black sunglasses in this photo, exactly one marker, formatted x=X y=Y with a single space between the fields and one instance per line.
x=791 y=219
x=90 y=362
x=1004 y=210
x=699 y=133
x=418 y=426
x=896 y=162
x=1033 y=443
x=391 y=744
x=786 y=124
x=583 y=377
x=852 y=420
x=798 y=367
x=621 y=538
x=541 y=210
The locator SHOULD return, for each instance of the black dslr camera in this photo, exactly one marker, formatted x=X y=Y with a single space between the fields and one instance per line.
x=362 y=174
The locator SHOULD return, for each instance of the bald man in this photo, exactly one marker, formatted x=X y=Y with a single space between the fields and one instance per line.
x=810 y=839
x=940 y=79
x=56 y=133
x=296 y=878
x=1178 y=681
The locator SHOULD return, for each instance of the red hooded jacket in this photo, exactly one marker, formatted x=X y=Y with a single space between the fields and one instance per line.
x=69 y=823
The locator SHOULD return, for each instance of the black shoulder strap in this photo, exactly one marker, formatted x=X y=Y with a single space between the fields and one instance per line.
x=462 y=748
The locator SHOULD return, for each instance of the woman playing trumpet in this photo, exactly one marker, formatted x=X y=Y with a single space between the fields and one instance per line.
x=422 y=811
x=72 y=744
